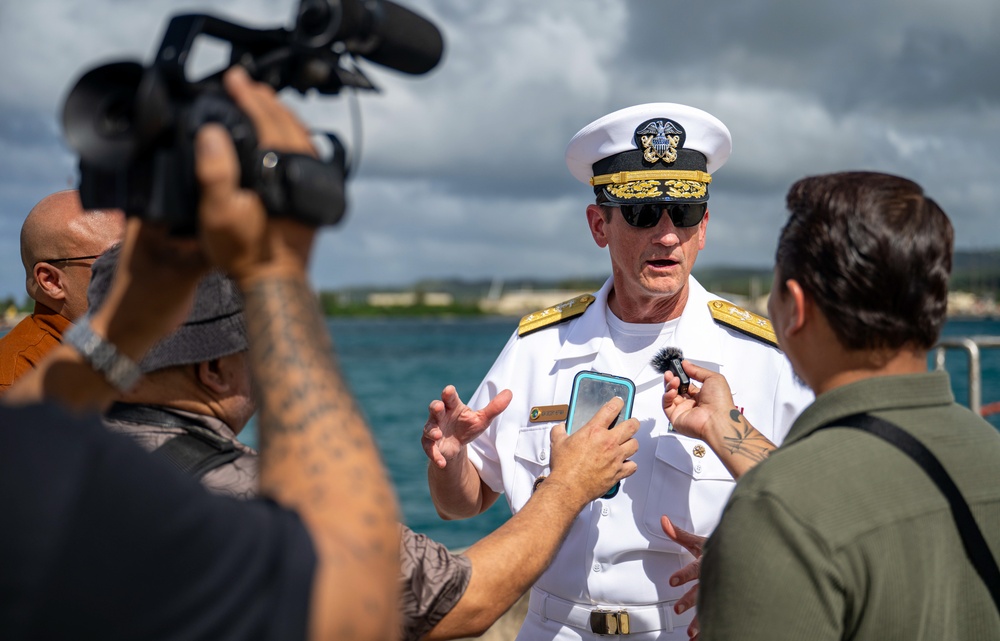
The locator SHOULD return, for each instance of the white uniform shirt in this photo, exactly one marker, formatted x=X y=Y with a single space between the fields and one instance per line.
x=616 y=552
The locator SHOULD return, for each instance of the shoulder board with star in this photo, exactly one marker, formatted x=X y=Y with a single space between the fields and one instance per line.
x=555 y=314
x=753 y=325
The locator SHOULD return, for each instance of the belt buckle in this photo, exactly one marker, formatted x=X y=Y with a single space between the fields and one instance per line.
x=609 y=622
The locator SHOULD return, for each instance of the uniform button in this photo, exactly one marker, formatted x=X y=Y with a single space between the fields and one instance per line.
x=697 y=468
x=597 y=567
x=605 y=511
x=543 y=455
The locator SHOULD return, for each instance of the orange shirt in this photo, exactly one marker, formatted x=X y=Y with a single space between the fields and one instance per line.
x=30 y=340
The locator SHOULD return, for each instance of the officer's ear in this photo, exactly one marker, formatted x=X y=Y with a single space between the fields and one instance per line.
x=703 y=231
x=597 y=219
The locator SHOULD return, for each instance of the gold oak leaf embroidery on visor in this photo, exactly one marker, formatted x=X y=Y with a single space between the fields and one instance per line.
x=641 y=189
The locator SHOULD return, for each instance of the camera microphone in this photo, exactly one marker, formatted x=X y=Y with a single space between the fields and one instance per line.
x=669 y=358
x=406 y=41
x=378 y=30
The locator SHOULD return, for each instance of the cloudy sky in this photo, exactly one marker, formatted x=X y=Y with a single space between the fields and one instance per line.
x=462 y=170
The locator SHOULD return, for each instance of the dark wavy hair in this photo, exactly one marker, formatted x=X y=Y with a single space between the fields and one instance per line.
x=874 y=253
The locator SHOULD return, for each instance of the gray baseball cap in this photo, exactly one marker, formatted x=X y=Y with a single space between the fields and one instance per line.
x=215 y=328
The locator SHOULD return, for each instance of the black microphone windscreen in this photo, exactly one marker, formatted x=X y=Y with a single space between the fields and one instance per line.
x=407 y=42
x=661 y=362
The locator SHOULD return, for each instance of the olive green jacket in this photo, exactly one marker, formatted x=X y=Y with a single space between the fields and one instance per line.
x=839 y=535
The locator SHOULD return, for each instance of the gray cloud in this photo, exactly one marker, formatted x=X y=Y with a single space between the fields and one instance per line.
x=462 y=170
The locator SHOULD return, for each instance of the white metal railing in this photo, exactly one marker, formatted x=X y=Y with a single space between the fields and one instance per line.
x=972 y=346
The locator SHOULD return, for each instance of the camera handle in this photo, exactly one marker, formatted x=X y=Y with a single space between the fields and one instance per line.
x=302 y=187
x=269 y=55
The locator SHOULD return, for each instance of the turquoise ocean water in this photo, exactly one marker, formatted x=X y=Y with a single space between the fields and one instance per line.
x=396 y=367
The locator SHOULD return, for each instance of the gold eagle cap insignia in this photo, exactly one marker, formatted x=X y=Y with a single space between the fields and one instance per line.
x=555 y=314
x=753 y=325
x=660 y=139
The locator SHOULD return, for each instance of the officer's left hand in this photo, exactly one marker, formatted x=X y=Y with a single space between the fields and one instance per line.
x=690 y=572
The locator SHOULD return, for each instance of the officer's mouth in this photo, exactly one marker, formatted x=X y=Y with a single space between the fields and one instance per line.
x=662 y=264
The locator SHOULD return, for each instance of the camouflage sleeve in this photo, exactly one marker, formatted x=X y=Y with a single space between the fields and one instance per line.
x=431 y=581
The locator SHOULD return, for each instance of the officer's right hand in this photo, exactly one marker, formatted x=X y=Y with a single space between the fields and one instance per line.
x=451 y=424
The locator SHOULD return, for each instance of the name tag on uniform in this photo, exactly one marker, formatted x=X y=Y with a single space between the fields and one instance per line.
x=546 y=413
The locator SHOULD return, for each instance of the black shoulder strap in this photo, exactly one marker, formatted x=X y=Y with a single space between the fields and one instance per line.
x=196 y=452
x=195 y=455
x=972 y=538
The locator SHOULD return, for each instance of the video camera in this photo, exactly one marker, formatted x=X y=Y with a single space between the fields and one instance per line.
x=134 y=126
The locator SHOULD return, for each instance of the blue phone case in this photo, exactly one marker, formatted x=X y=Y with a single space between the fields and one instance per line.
x=591 y=390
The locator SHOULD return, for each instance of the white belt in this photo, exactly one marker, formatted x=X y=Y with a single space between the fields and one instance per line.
x=608 y=619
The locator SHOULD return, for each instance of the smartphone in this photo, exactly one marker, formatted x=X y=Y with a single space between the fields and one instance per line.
x=591 y=390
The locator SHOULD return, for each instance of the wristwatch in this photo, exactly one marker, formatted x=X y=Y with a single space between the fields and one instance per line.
x=118 y=370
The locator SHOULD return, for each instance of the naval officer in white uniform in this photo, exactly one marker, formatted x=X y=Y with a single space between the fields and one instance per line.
x=650 y=167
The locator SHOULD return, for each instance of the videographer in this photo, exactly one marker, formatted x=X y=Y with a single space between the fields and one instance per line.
x=151 y=556
x=102 y=541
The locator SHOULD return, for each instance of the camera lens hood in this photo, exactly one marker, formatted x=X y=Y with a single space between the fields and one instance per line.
x=99 y=115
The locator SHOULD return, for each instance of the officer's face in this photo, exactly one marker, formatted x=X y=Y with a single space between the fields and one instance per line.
x=649 y=265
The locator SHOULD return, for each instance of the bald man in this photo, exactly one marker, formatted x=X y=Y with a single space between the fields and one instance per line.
x=59 y=242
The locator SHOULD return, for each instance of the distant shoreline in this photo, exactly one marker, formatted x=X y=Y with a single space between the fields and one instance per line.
x=386 y=313
x=975 y=318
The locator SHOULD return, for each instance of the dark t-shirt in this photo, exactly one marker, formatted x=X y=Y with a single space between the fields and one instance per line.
x=100 y=540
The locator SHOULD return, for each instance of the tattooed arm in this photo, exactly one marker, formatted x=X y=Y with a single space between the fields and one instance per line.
x=709 y=414
x=318 y=456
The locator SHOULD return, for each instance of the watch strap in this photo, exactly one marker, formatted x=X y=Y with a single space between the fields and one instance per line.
x=120 y=371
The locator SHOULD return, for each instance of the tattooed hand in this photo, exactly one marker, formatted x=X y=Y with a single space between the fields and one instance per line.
x=692 y=414
x=708 y=413
x=236 y=233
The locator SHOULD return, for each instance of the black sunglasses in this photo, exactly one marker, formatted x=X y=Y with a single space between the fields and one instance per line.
x=646 y=216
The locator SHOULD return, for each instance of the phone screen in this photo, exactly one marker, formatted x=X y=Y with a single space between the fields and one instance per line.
x=591 y=390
